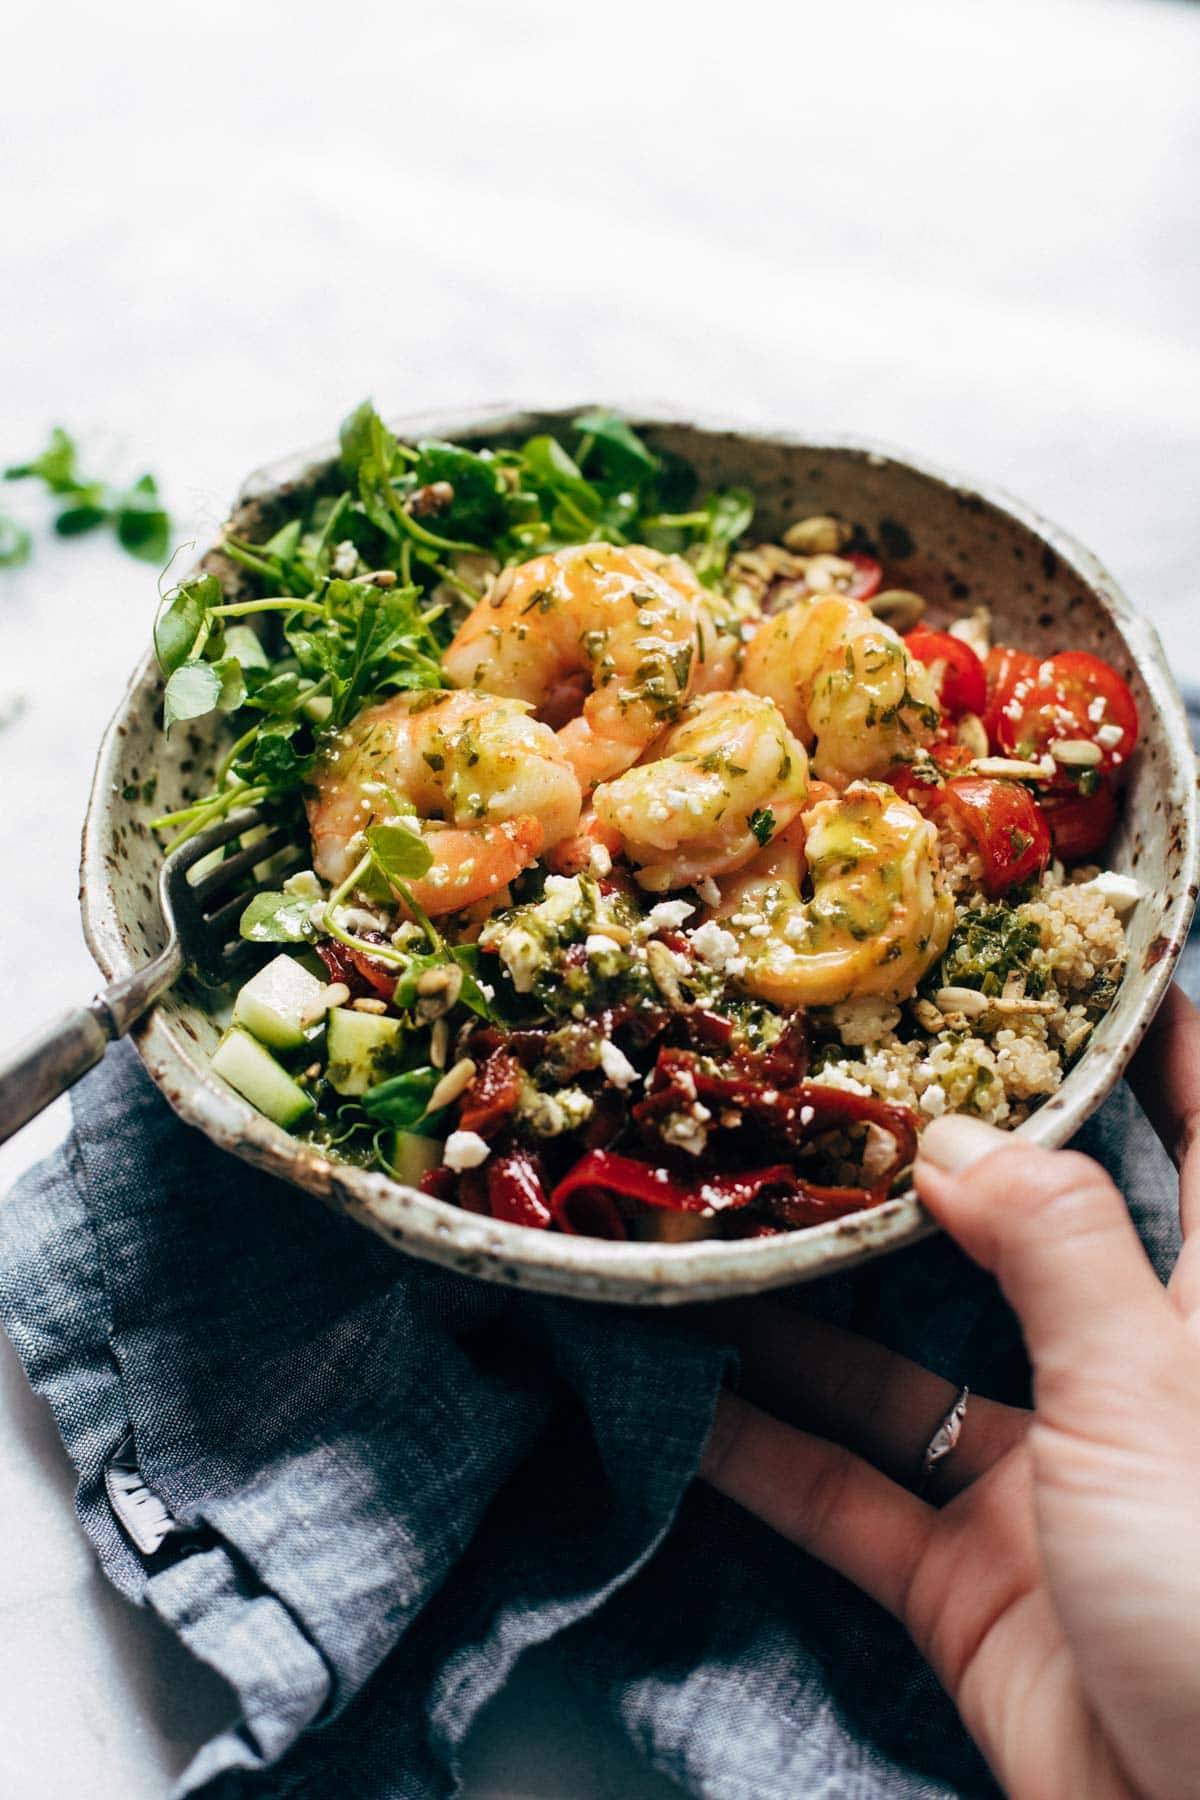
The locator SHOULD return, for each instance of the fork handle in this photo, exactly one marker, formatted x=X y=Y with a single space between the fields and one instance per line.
x=54 y=1058
x=50 y=1062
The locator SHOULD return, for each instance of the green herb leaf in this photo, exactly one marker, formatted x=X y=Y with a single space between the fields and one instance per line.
x=55 y=466
x=729 y=515
x=402 y=1100
x=399 y=853
x=470 y=995
x=762 y=824
x=243 y=642
x=354 y=438
x=143 y=528
x=277 y=919
x=477 y=509
x=621 y=451
x=193 y=690
x=73 y=521
x=178 y=624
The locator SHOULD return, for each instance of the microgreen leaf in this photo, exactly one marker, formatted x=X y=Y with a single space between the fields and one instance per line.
x=399 y=853
x=477 y=508
x=55 y=466
x=193 y=690
x=277 y=919
x=142 y=526
x=243 y=642
x=729 y=515
x=402 y=1100
x=179 y=623
x=620 y=450
x=354 y=438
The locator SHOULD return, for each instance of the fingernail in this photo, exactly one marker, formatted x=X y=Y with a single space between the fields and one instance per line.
x=955 y=1142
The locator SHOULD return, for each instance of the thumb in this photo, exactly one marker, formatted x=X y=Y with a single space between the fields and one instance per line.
x=1052 y=1228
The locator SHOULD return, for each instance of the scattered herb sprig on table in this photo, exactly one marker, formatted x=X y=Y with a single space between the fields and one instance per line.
x=135 y=513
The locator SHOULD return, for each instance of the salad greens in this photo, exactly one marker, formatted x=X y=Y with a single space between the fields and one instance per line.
x=360 y=588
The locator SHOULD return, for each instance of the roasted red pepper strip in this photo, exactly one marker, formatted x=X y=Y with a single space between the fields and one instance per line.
x=576 y=1202
x=515 y=1191
x=492 y=1097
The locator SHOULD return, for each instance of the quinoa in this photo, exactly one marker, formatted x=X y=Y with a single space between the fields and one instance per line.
x=1000 y=1064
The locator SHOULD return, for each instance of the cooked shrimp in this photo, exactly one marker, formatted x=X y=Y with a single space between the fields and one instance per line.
x=628 y=624
x=489 y=785
x=878 y=916
x=723 y=780
x=844 y=680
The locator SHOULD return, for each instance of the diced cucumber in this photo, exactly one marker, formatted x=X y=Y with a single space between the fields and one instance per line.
x=411 y=1156
x=362 y=1047
x=281 y=1004
x=243 y=1062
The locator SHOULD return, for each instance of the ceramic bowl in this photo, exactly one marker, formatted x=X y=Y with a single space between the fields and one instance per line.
x=958 y=544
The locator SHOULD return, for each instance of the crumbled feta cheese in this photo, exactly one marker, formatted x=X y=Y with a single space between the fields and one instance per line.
x=522 y=956
x=551 y=1114
x=684 y=1131
x=601 y=861
x=616 y=1065
x=465 y=1150
x=933 y=1100
x=668 y=915
x=1109 y=736
x=303 y=884
x=1096 y=709
x=1121 y=891
x=708 y=891
x=713 y=945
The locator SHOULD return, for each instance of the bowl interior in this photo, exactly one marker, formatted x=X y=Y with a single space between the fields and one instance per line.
x=953 y=543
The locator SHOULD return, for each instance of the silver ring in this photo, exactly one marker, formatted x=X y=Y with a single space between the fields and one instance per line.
x=946 y=1436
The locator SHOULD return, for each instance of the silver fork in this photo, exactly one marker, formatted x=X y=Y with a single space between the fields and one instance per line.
x=201 y=917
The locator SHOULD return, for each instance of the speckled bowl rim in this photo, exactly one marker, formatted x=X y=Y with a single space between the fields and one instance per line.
x=591 y=1268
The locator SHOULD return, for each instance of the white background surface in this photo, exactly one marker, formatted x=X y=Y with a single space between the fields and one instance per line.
x=969 y=229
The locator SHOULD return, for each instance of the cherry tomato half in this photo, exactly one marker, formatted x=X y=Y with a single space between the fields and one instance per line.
x=905 y=778
x=1004 y=823
x=1073 y=695
x=867 y=578
x=963 y=681
x=1080 y=824
x=1003 y=668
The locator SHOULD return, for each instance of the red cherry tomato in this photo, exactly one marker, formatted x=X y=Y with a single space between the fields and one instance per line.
x=905 y=778
x=1004 y=823
x=1003 y=668
x=1072 y=695
x=963 y=681
x=1080 y=824
x=867 y=578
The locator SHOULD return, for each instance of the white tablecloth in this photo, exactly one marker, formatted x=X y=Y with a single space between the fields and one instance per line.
x=970 y=230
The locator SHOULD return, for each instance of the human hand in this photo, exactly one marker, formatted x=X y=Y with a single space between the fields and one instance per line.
x=1050 y=1574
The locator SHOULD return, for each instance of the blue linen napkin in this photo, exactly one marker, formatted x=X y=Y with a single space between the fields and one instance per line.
x=389 y=1481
